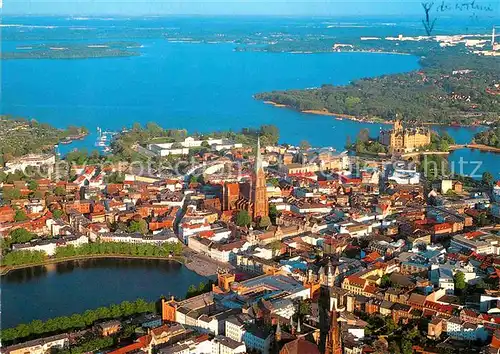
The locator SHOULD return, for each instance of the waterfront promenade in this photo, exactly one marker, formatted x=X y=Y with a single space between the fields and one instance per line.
x=203 y=265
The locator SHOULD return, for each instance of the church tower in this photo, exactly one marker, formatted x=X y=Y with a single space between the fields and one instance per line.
x=259 y=193
x=333 y=342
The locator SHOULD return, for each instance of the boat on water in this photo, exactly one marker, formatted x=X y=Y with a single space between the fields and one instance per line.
x=338 y=118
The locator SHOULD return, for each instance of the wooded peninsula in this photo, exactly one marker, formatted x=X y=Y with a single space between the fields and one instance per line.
x=452 y=87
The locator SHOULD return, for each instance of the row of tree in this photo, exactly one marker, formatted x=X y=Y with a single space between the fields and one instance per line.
x=37 y=328
x=120 y=248
x=15 y=258
x=23 y=257
x=202 y=288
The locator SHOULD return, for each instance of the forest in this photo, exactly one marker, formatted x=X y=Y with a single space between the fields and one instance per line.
x=65 y=50
x=452 y=88
x=20 y=136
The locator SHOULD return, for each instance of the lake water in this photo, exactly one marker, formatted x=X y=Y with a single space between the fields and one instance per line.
x=72 y=287
x=197 y=86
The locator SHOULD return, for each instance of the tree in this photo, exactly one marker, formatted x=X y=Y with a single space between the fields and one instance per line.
x=460 y=283
x=385 y=281
x=270 y=133
x=21 y=236
x=488 y=178
x=273 y=181
x=11 y=194
x=59 y=191
x=58 y=213
x=304 y=145
x=273 y=213
x=20 y=215
x=275 y=246
x=191 y=291
x=138 y=226
x=363 y=135
x=243 y=218
x=32 y=185
x=201 y=287
x=264 y=222
x=406 y=346
x=154 y=130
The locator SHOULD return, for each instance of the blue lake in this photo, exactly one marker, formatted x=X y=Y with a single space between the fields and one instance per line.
x=196 y=86
x=62 y=289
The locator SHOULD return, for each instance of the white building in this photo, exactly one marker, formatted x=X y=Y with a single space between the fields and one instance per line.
x=182 y=148
x=47 y=246
x=461 y=330
x=138 y=238
x=31 y=160
x=235 y=328
x=40 y=346
x=225 y=345
x=442 y=277
x=404 y=174
x=188 y=229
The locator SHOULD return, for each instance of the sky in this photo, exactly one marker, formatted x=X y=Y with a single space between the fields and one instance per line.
x=211 y=7
x=224 y=7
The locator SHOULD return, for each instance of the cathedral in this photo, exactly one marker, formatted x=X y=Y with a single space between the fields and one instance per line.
x=259 y=188
x=250 y=196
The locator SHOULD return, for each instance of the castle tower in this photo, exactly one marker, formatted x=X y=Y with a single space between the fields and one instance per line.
x=398 y=125
x=333 y=342
x=259 y=193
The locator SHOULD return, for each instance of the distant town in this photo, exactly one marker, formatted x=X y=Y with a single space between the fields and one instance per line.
x=305 y=249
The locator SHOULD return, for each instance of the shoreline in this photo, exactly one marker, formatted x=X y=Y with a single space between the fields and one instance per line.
x=4 y=270
x=324 y=112
x=480 y=147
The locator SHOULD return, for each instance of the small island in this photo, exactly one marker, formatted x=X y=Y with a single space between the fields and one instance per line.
x=74 y=50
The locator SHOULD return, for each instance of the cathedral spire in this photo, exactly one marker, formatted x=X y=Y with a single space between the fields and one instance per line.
x=258 y=158
x=333 y=341
x=259 y=194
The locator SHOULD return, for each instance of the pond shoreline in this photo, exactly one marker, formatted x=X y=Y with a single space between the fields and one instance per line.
x=6 y=269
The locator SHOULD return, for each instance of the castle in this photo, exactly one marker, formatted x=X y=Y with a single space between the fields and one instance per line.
x=401 y=139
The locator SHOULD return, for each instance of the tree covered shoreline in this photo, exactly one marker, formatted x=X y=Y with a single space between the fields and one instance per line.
x=451 y=88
